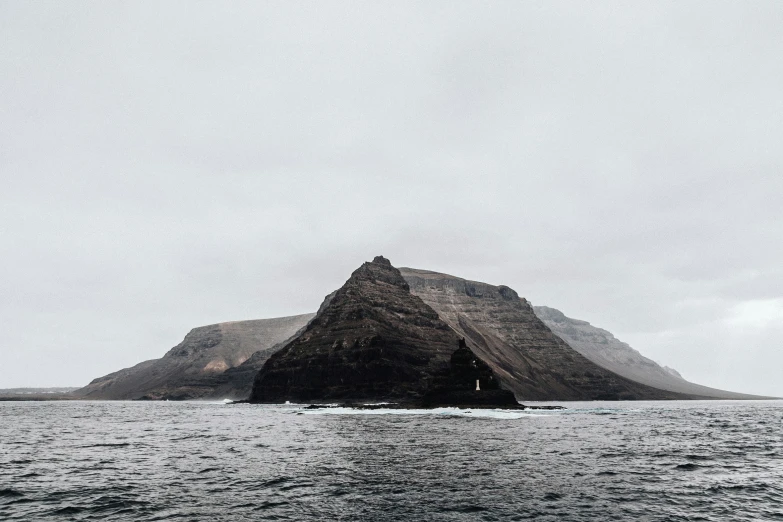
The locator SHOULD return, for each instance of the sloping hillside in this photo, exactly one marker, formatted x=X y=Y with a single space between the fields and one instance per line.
x=602 y=348
x=531 y=360
x=196 y=368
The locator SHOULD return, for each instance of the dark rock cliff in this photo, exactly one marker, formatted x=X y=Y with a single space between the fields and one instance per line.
x=374 y=341
x=468 y=382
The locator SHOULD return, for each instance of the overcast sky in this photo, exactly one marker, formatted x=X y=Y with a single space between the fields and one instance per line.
x=168 y=166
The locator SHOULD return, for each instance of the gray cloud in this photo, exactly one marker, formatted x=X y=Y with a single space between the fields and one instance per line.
x=167 y=166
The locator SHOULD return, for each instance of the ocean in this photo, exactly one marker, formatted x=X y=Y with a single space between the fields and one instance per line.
x=202 y=461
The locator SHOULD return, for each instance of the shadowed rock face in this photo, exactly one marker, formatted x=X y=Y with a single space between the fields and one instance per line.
x=527 y=357
x=201 y=365
x=469 y=382
x=602 y=348
x=237 y=382
x=374 y=341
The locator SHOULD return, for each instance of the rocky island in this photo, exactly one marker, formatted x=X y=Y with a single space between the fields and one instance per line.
x=403 y=326
x=376 y=341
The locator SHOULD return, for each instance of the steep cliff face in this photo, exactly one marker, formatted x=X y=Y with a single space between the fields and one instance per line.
x=527 y=357
x=602 y=348
x=197 y=367
x=374 y=341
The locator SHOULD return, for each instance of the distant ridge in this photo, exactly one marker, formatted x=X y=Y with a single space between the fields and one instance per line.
x=37 y=391
x=602 y=348
x=36 y=394
x=216 y=360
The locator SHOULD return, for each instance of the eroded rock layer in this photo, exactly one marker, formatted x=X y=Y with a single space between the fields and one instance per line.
x=468 y=382
x=529 y=359
x=374 y=341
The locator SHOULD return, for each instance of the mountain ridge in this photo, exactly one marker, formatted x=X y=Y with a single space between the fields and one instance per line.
x=604 y=349
x=223 y=359
x=195 y=367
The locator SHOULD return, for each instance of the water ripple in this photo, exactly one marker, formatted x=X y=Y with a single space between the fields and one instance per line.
x=656 y=461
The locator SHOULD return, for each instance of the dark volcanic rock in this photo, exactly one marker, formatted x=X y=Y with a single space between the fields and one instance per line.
x=374 y=341
x=469 y=382
x=467 y=370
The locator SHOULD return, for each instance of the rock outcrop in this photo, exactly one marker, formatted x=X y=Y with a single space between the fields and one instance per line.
x=215 y=361
x=375 y=341
x=602 y=348
x=528 y=358
x=468 y=382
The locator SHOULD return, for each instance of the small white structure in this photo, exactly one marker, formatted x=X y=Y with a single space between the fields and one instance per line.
x=477 y=385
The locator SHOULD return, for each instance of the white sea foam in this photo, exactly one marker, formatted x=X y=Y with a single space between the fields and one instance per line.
x=450 y=412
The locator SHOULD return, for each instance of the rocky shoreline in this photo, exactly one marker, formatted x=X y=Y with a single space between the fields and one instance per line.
x=411 y=406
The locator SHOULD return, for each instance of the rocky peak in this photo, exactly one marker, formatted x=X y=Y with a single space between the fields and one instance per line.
x=508 y=293
x=373 y=340
x=380 y=270
x=198 y=340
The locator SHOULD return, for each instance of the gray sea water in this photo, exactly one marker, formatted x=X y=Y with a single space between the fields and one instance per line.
x=658 y=461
